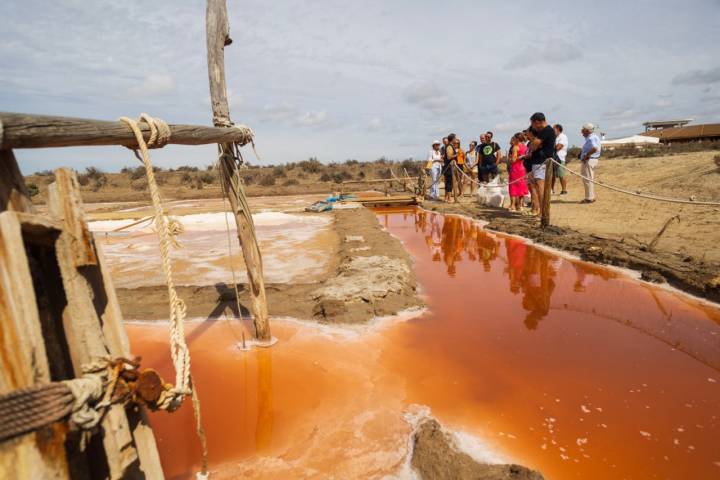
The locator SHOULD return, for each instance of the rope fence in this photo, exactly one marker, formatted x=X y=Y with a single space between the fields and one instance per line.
x=660 y=198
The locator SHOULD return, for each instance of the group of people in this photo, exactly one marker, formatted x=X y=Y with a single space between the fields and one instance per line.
x=526 y=162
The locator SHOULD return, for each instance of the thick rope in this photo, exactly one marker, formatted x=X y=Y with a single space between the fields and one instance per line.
x=171 y=398
x=159 y=132
x=84 y=400
x=30 y=409
x=637 y=193
x=227 y=206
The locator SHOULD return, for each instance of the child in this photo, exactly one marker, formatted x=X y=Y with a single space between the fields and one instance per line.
x=518 y=188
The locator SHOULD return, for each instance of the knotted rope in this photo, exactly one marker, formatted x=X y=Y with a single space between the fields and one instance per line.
x=166 y=230
x=170 y=399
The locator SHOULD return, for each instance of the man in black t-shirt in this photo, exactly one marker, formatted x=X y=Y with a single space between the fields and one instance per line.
x=487 y=154
x=542 y=148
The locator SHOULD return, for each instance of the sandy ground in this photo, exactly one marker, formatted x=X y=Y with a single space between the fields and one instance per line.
x=618 y=228
x=366 y=274
x=620 y=216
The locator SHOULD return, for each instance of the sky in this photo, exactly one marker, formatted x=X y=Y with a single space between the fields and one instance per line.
x=342 y=80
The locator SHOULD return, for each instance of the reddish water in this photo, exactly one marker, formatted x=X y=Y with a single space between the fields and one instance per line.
x=573 y=369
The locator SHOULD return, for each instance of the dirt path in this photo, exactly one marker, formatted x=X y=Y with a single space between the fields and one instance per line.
x=617 y=229
x=369 y=275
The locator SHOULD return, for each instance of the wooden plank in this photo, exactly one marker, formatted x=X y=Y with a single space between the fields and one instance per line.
x=23 y=360
x=71 y=214
x=378 y=180
x=218 y=37
x=41 y=131
x=81 y=320
x=119 y=346
x=13 y=192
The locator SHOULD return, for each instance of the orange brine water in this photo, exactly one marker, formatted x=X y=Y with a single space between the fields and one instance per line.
x=570 y=368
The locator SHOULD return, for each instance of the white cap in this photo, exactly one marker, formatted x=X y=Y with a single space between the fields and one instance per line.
x=437 y=142
x=589 y=127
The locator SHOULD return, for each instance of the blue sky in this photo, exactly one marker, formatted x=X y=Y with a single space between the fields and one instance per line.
x=348 y=79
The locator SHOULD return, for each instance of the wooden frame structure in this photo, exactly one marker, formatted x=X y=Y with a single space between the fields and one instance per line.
x=58 y=308
x=58 y=311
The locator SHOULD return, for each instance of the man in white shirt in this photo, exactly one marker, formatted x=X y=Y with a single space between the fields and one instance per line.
x=435 y=162
x=561 y=148
x=589 y=157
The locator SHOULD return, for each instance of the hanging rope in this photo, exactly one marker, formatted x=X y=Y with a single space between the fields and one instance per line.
x=167 y=229
x=159 y=135
x=639 y=194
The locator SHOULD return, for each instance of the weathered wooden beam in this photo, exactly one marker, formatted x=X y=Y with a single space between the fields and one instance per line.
x=378 y=180
x=82 y=318
x=218 y=36
x=18 y=130
x=24 y=361
x=13 y=192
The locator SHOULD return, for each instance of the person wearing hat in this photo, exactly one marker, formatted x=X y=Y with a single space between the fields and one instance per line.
x=434 y=163
x=589 y=156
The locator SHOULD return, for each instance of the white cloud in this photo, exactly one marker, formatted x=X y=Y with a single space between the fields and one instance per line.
x=313 y=119
x=375 y=125
x=154 y=84
x=428 y=96
x=555 y=51
x=279 y=113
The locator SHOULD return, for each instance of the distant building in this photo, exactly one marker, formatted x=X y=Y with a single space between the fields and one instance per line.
x=634 y=140
x=663 y=124
x=689 y=133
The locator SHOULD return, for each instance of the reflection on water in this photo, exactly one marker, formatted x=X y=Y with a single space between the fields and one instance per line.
x=573 y=369
x=576 y=369
x=263 y=433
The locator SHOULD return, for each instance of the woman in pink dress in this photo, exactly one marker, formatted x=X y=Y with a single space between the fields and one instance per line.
x=518 y=186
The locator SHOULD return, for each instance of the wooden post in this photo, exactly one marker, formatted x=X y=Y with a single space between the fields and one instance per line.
x=13 y=192
x=24 y=361
x=547 y=194
x=91 y=324
x=218 y=36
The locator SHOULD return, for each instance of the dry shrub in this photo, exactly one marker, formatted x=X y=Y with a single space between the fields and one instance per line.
x=311 y=165
x=267 y=181
x=290 y=182
x=32 y=189
x=139 y=185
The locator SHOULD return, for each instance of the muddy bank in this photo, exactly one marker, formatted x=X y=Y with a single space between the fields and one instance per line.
x=370 y=276
x=685 y=272
x=435 y=456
